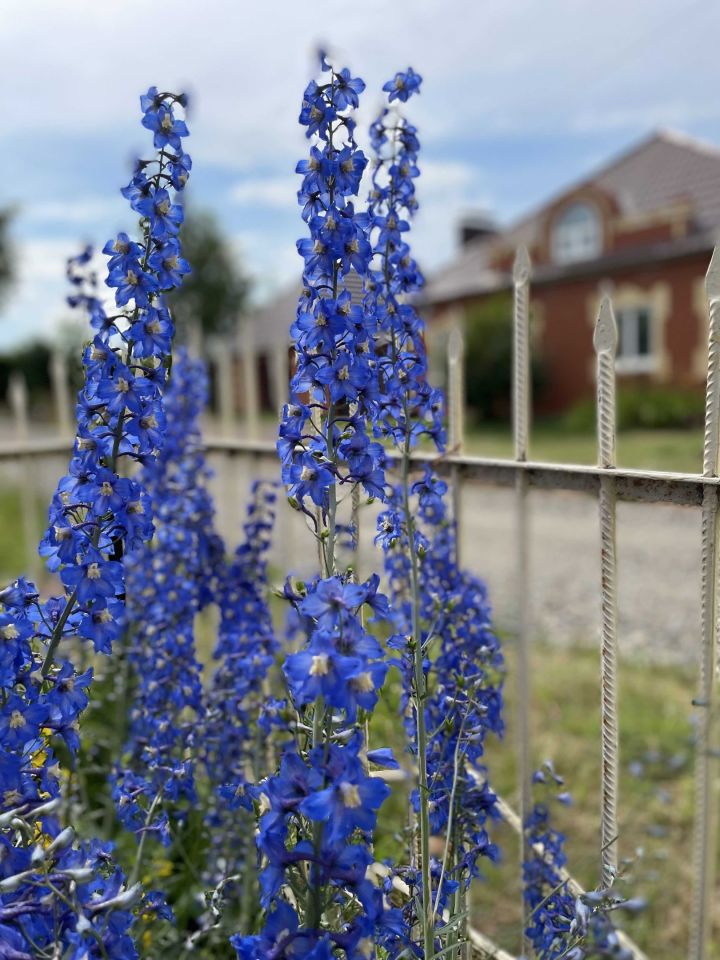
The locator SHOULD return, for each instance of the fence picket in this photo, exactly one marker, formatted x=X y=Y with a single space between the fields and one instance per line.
x=224 y=370
x=249 y=359
x=19 y=402
x=704 y=840
x=60 y=381
x=521 y=429
x=605 y=343
x=456 y=421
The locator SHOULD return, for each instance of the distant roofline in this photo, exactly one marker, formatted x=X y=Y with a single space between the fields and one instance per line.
x=660 y=133
x=551 y=272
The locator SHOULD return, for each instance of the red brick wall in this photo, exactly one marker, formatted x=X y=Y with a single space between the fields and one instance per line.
x=566 y=340
x=563 y=312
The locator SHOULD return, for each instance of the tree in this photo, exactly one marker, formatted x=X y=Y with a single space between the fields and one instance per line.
x=7 y=254
x=214 y=294
x=489 y=358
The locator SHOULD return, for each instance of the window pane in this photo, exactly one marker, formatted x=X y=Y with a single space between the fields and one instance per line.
x=643 y=333
x=621 y=320
x=576 y=234
x=634 y=337
x=627 y=321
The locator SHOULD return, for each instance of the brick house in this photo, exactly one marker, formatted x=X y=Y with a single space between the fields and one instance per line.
x=642 y=228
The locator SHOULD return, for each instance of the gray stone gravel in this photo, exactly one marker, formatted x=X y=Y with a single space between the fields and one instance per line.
x=658 y=557
x=658 y=566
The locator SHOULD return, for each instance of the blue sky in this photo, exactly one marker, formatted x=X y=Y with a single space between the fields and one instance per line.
x=520 y=97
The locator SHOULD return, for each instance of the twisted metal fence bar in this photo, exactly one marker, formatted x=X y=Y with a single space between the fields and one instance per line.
x=456 y=421
x=456 y=443
x=19 y=403
x=605 y=343
x=521 y=432
x=705 y=803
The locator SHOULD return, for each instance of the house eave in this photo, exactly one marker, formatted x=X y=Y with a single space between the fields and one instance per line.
x=545 y=274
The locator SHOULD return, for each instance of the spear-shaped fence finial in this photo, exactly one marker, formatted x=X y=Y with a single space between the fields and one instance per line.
x=521 y=353
x=605 y=340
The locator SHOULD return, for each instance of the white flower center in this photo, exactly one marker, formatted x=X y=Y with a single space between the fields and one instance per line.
x=362 y=683
x=320 y=665
x=350 y=795
x=16 y=720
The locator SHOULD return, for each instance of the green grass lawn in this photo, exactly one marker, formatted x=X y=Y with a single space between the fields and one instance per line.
x=656 y=796
x=673 y=450
x=14 y=553
x=656 y=807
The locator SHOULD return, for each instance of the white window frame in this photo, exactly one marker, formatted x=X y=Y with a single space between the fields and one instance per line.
x=629 y=360
x=573 y=242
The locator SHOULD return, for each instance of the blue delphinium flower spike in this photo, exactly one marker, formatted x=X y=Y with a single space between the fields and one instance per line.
x=58 y=894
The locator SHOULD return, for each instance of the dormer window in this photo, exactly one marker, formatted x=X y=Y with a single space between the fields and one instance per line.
x=577 y=234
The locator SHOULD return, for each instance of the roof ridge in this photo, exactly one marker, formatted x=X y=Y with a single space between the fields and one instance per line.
x=690 y=141
x=676 y=137
x=601 y=170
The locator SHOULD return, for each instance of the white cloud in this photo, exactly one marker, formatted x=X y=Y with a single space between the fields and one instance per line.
x=83 y=210
x=274 y=265
x=275 y=192
x=39 y=295
x=490 y=65
x=492 y=70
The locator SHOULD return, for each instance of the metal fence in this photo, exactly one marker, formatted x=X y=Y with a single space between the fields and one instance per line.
x=608 y=484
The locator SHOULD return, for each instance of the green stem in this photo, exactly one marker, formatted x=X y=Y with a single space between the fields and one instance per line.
x=419 y=680
x=143 y=837
x=314 y=902
x=428 y=924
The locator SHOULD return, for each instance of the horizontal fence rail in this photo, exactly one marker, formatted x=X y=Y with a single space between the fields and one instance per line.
x=633 y=486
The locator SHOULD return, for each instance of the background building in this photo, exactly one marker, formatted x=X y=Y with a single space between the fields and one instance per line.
x=641 y=228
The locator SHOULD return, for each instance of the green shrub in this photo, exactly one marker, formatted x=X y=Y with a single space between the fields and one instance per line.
x=489 y=358
x=644 y=408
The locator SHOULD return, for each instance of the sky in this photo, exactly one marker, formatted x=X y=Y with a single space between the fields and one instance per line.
x=519 y=99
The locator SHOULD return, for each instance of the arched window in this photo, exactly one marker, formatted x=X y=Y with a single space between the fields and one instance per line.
x=577 y=234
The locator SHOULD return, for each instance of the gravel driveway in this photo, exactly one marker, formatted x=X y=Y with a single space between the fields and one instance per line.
x=658 y=552
x=658 y=559
x=658 y=564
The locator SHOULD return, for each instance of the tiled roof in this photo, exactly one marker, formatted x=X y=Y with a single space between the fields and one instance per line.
x=661 y=170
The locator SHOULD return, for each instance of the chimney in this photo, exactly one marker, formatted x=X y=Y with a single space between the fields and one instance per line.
x=475 y=226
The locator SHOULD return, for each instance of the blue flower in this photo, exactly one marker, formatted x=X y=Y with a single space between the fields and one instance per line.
x=168 y=584
x=63 y=894
x=319 y=809
x=403 y=85
x=347 y=90
x=169 y=264
x=165 y=216
x=352 y=799
x=335 y=337
x=167 y=128
x=309 y=477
